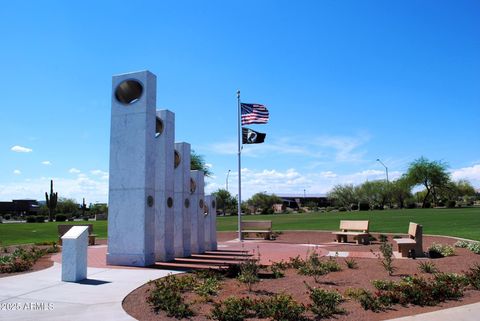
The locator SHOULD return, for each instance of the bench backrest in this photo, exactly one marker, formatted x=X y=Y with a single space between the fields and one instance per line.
x=415 y=230
x=63 y=228
x=354 y=225
x=266 y=225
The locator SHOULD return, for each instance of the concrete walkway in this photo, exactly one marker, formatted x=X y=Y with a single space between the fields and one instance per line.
x=42 y=296
x=470 y=312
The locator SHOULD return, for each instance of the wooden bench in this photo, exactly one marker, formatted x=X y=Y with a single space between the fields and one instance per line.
x=413 y=242
x=63 y=228
x=260 y=227
x=357 y=229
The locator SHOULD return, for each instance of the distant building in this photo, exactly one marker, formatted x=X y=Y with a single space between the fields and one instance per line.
x=302 y=200
x=19 y=207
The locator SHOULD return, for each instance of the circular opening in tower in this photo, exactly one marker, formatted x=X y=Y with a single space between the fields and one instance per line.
x=150 y=201
x=129 y=92
x=187 y=203
x=169 y=202
x=193 y=186
x=201 y=204
x=213 y=204
x=205 y=210
x=158 y=127
x=176 y=161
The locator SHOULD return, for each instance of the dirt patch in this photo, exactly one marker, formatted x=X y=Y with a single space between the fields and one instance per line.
x=368 y=269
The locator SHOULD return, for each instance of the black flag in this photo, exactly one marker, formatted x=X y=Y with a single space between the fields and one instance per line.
x=250 y=136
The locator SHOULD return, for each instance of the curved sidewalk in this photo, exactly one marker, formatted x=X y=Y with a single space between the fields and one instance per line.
x=42 y=295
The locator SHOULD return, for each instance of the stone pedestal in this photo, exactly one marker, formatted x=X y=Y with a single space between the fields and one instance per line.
x=164 y=182
x=74 y=254
x=132 y=170
x=181 y=201
x=197 y=200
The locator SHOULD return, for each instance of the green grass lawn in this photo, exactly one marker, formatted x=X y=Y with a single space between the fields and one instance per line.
x=23 y=233
x=461 y=222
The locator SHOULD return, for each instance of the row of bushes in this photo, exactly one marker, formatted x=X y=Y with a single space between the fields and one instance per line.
x=22 y=260
x=417 y=290
x=58 y=218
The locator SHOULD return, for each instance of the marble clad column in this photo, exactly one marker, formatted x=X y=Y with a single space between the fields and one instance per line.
x=181 y=201
x=164 y=179
x=213 y=223
x=206 y=223
x=197 y=201
x=131 y=234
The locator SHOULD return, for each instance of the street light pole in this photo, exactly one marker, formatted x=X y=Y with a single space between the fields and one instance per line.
x=386 y=168
x=227 y=179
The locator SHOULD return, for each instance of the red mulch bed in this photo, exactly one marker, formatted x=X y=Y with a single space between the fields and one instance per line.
x=369 y=269
x=42 y=263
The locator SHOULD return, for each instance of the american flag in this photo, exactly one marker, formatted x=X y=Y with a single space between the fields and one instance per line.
x=254 y=114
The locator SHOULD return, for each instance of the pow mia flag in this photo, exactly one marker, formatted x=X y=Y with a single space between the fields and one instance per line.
x=250 y=136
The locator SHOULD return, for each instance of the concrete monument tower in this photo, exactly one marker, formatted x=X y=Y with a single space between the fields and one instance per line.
x=181 y=201
x=197 y=201
x=132 y=174
x=164 y=180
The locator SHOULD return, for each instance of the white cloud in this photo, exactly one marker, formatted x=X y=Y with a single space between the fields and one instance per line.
x=21 y=149
x=471 y=174
x=100 y=173
x=46 y=163
x=208 y=165
x=17 y=172
x=324 y=147
x=74 y=170
x=292 y=181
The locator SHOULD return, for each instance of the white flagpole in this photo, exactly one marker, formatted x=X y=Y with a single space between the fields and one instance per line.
x=239 y=207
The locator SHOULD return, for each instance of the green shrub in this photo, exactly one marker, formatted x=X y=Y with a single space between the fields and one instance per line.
x=280 y=307
x=167 y=296
x=473 y=276
x=60 y=218
x=448 y=286
x=278 y=269
x=441 y=250
x=386 y=257
x=207 y=287
x=363 y=206
x=451 y=204
x=354 y=207
x=411 y=205
x=249 y=273
x=428 y=267
x=383 y=238
x=31 y=219
x=22 y=260
x=384 y=285
x=296 y=262
x=232 y=309
x=342 y=209
x=369 y=302
x=462 y=244
x=474 y=247
x=40 y=219
x=325 y=303
x=351 y=263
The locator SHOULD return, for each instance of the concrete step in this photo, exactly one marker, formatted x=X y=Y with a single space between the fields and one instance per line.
x=195 y=260
x=228 y=252
x=187 y=266
x=220 y=257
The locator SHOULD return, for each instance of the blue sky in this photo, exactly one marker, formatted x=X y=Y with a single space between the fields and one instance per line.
x=346 y=82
